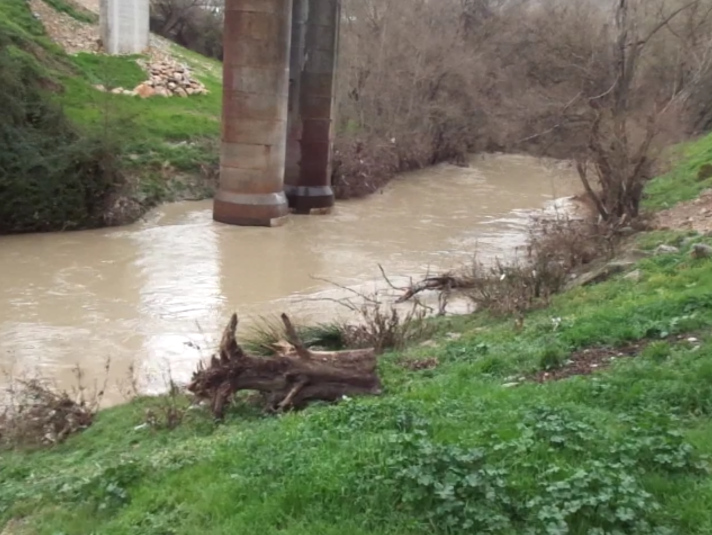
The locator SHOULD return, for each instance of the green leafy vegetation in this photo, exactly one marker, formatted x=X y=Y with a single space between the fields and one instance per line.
x=690 y=175
x=51 y=176
x=110 y=71
x=451 y=450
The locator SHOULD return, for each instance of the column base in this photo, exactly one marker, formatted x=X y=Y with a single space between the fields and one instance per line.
x=250 y=210
x=310 y=200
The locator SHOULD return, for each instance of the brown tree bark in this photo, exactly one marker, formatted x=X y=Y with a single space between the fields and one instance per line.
x=291 y=380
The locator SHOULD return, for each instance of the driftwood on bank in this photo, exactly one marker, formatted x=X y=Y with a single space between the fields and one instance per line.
x=288 y=380
x=441 y=283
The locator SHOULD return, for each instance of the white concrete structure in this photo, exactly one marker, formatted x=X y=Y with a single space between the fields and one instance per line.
x=124 y=26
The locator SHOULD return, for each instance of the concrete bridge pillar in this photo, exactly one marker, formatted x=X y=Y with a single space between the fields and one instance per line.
x=300 y=10
x=124 y=26
x=312 y=191
x=255 y=89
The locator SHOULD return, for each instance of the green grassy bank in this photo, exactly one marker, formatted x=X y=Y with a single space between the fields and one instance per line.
x=60 y=137
x=455 y=449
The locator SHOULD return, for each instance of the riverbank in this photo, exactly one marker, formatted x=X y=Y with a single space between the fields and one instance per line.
x=139 y=293
x=591 y=414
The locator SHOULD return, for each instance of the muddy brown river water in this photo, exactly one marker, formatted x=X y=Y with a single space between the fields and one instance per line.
x=145 y=295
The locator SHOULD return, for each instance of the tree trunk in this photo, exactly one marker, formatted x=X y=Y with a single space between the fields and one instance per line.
x=290 y=380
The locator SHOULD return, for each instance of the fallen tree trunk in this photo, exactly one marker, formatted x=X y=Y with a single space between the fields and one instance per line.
x=289 y=380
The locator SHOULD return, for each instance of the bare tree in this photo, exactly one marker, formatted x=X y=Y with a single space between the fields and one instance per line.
x=619 y=153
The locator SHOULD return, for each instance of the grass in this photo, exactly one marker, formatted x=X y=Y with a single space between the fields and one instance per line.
x=682 y=183
x=449 y=450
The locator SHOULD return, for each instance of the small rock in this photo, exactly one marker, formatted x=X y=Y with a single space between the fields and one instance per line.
x=171 y=85
x=601 y=274
x=181 y=92
x=689 y=240
x=633 y=255
x=117 y=90
x=454 y=336
x=692 y=339
x=145 y=91
x=626 y=231
x=510 y=385
x=666 y=249
x=701 y=250
x=634 y=276
x=100 y=87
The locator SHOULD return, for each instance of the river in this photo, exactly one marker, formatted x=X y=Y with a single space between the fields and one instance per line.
x=145 y=295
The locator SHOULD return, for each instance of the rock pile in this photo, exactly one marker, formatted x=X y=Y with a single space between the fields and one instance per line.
x=167 y=78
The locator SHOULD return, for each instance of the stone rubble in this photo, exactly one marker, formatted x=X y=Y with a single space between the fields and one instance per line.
x=166 y=76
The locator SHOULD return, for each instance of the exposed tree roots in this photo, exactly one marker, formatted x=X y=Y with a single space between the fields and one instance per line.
x=288 y=380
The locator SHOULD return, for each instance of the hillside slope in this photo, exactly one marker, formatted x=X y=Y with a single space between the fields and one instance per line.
x=166 y=147
x=499 y=433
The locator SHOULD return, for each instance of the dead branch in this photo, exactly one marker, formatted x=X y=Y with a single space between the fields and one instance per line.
x=442 y=283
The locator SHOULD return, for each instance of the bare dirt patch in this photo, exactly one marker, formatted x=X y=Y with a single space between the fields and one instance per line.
x=689 y=215
x=589 y=360
x=72 y=35
x=429 y=363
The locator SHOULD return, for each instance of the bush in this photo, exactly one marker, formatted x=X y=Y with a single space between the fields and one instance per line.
x=51 y=176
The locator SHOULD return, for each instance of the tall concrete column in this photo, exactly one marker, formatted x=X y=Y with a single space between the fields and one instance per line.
x=296 y=66
x=255 y=87
x=313 y=192
x=124 y=26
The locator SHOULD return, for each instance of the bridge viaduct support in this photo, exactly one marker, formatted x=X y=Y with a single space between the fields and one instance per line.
x=278 y=84
x=124 y=26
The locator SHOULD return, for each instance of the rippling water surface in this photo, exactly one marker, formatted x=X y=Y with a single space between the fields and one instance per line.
x=139 y=294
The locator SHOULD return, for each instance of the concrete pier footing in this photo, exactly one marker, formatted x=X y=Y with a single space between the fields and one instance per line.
x=255 y=90
x=124 y=26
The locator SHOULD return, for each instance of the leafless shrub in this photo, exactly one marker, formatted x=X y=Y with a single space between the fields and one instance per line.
x=379 y=322
x=514 y=288
x=35 y=412
x=169 y=410
x=195 y=24
x=384 y=327
x=568 y=241
x=556 y=246
x=166 y=411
